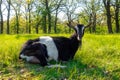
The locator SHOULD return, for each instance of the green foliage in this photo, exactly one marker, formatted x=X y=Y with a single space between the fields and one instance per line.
x=13 y=26
x=98 y=59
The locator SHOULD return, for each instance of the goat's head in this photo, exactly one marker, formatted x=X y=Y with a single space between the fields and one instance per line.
x=34 y=53
x=29 y=52
x=25 y=45
x=31 y=49
x=79 y=29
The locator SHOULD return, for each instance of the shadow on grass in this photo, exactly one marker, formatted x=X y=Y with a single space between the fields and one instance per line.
x=74 y=70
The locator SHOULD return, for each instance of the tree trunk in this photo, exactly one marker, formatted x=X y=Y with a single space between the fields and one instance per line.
x=55 y=25
x=108 y=13
x=37 y=25
x=1 y=19
x=49 y=22
x=26 y=18
x=90 y=21
x=49 y=16
x=94 y=23
x=29 y=21
x=109 y=23
x=37 y=31
x=17 y=11
x=17 y=23
x=44 y=23
x=117 y=16
x=90 y=29
x=56 y=14
x=8 y=17
x=69 y=22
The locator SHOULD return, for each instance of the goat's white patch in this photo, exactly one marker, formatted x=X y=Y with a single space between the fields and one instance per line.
x=77 y=29
x=23 y=56
x=56 y=66
x=51 y=47
x=28 y=58
x=83 y=29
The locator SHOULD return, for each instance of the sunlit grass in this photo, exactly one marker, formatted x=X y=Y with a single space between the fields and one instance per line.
x=98 y=58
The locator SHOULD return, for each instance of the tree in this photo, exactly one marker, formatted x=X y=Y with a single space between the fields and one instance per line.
x=1 y=18
x=29 y=16
x=43 y=13
x=8 y=16
x=25 y=14
x=117 y=6
x=69 y=8
x=48 y=14
x=90 y=12
x=16 y=6
x=58 y=4
x=108 y=14
x=94 y=9
x=49 y=6
x=37 y=15
x=44 y=21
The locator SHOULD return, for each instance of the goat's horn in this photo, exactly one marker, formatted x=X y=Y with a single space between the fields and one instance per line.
x=88 y=25
x=70 y=25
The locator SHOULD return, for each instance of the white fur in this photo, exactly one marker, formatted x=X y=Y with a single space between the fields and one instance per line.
x=77 y=32
x=77 y=29
x=23 y=56
x=56 y=66
x=83 y=29
x=28 y=58
x=51 y=47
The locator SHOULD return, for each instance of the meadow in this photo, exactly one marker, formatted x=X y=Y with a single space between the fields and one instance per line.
x=97 y=59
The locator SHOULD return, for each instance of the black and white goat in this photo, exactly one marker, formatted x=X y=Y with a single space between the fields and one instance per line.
x=46 y=48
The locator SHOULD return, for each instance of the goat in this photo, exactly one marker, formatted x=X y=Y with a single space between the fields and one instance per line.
x=46 y=48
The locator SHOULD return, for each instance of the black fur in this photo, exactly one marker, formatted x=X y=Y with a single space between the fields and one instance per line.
x=67 y=47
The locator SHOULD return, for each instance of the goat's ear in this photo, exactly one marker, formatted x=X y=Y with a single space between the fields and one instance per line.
x=89 y=25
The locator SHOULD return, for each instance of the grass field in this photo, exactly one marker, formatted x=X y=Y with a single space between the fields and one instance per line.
x=97 y=59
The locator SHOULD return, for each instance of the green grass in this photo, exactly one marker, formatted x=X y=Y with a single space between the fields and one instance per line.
x=97 y=59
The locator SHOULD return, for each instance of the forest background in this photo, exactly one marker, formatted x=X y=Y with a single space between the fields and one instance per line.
x=51 y=16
